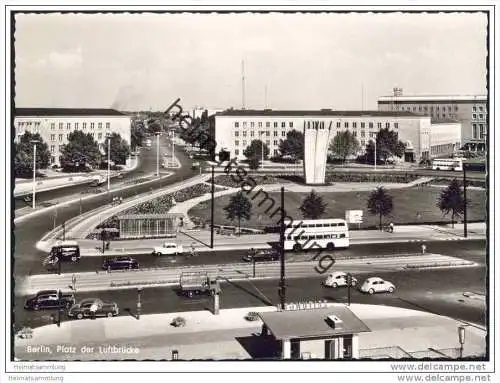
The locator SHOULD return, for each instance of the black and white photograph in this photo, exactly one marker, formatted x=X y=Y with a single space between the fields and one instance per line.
x=250 y=188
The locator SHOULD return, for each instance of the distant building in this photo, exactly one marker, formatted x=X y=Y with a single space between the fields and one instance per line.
x=235 y=130
x=197 y=112
x=55 y=125
x=470 y=111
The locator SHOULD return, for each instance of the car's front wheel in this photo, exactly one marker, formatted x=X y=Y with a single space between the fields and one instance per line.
x=371 y=291
x=334 y=285
x=390 y=289
x=110 y=314
x=79 y=316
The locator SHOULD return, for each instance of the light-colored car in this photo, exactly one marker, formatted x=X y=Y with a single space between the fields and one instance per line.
x=168 y=248
x=377 y=285
x=93 y=307
x=338 y=279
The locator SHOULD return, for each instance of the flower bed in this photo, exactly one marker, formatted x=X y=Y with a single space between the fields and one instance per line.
x=371 y=177
x=227 y=180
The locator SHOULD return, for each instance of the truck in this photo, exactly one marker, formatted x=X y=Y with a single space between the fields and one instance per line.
x=195 y=283
x=168 y=248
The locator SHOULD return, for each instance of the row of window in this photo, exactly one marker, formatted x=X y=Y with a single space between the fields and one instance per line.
x=425 y=108
x=305 y=237
x=60 y=137
x=244 y=124
x=346 y=124
x=476 y=108
x=267 y=134
x=442 y=149
x=478 y=116
x=328 y=224
x=481 y=130
x=28 y=124
x=76 y=125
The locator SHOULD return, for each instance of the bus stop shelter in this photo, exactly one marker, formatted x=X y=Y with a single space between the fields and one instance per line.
x=319 y=333
x=149 y=225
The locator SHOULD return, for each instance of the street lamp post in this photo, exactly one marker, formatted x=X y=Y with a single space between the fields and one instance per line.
x=465 y=203
x=157 y=154
x=173 y=147
x=108 y=137
x=34 y=142
x=212 y=204
x=139 y=292
x=375 y=158
x=461 y=339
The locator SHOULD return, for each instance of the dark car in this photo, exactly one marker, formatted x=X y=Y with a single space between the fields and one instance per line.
x=50 y=299
x=120 y=263
x=93 y=307
x=262 y=255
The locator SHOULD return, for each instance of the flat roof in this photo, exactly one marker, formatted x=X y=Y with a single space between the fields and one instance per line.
x=31 y=112
x=150 y=216
x=432 y=98
x=312 y=323
x=322 y=112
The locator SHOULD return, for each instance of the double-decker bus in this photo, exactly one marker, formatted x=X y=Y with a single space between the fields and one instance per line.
x=455 y=164
x=327 y=234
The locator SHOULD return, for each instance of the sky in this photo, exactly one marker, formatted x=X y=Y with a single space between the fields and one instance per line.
x=146 y=61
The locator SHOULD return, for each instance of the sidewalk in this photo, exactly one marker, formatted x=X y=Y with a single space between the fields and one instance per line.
x=227 y=335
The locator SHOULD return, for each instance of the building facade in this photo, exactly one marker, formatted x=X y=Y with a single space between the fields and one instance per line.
x=470 y=111
x=235 y=130
x=55 y=125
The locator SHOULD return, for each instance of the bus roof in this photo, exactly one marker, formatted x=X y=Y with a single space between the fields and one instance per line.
x=67 y=243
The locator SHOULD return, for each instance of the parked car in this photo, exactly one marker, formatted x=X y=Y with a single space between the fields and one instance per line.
x=168 y=248
x=377 y=285
x=50 y=299
x=338 y=279
x=263 y=255
x=84 y=308
x=120 y=263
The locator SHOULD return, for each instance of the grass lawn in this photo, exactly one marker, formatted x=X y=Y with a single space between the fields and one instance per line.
x=411 y=205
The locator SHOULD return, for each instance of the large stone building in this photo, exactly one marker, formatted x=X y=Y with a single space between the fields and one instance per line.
x=235 y=130
x=55 y=125
x=470 y=111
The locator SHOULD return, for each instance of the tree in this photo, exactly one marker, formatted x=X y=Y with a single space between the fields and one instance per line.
x=136 y=134
x=254 y=162
x=239 y=208
x=23 y=159
x=119 y=149
x=293 y=145
x=80 y=152
x=313 y=206
x=388 y=145
x=452 y=200
x=344 y=144
x=380 y=202
x=255 y=150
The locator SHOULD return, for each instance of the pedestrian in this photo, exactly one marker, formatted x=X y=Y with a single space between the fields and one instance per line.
x=391 y=227
x=424 y=248
x=93 y=310
x=121 y=200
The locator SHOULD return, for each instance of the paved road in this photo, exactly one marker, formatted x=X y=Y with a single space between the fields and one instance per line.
x=474 y=250
x=439 y=291
x=27 y=233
